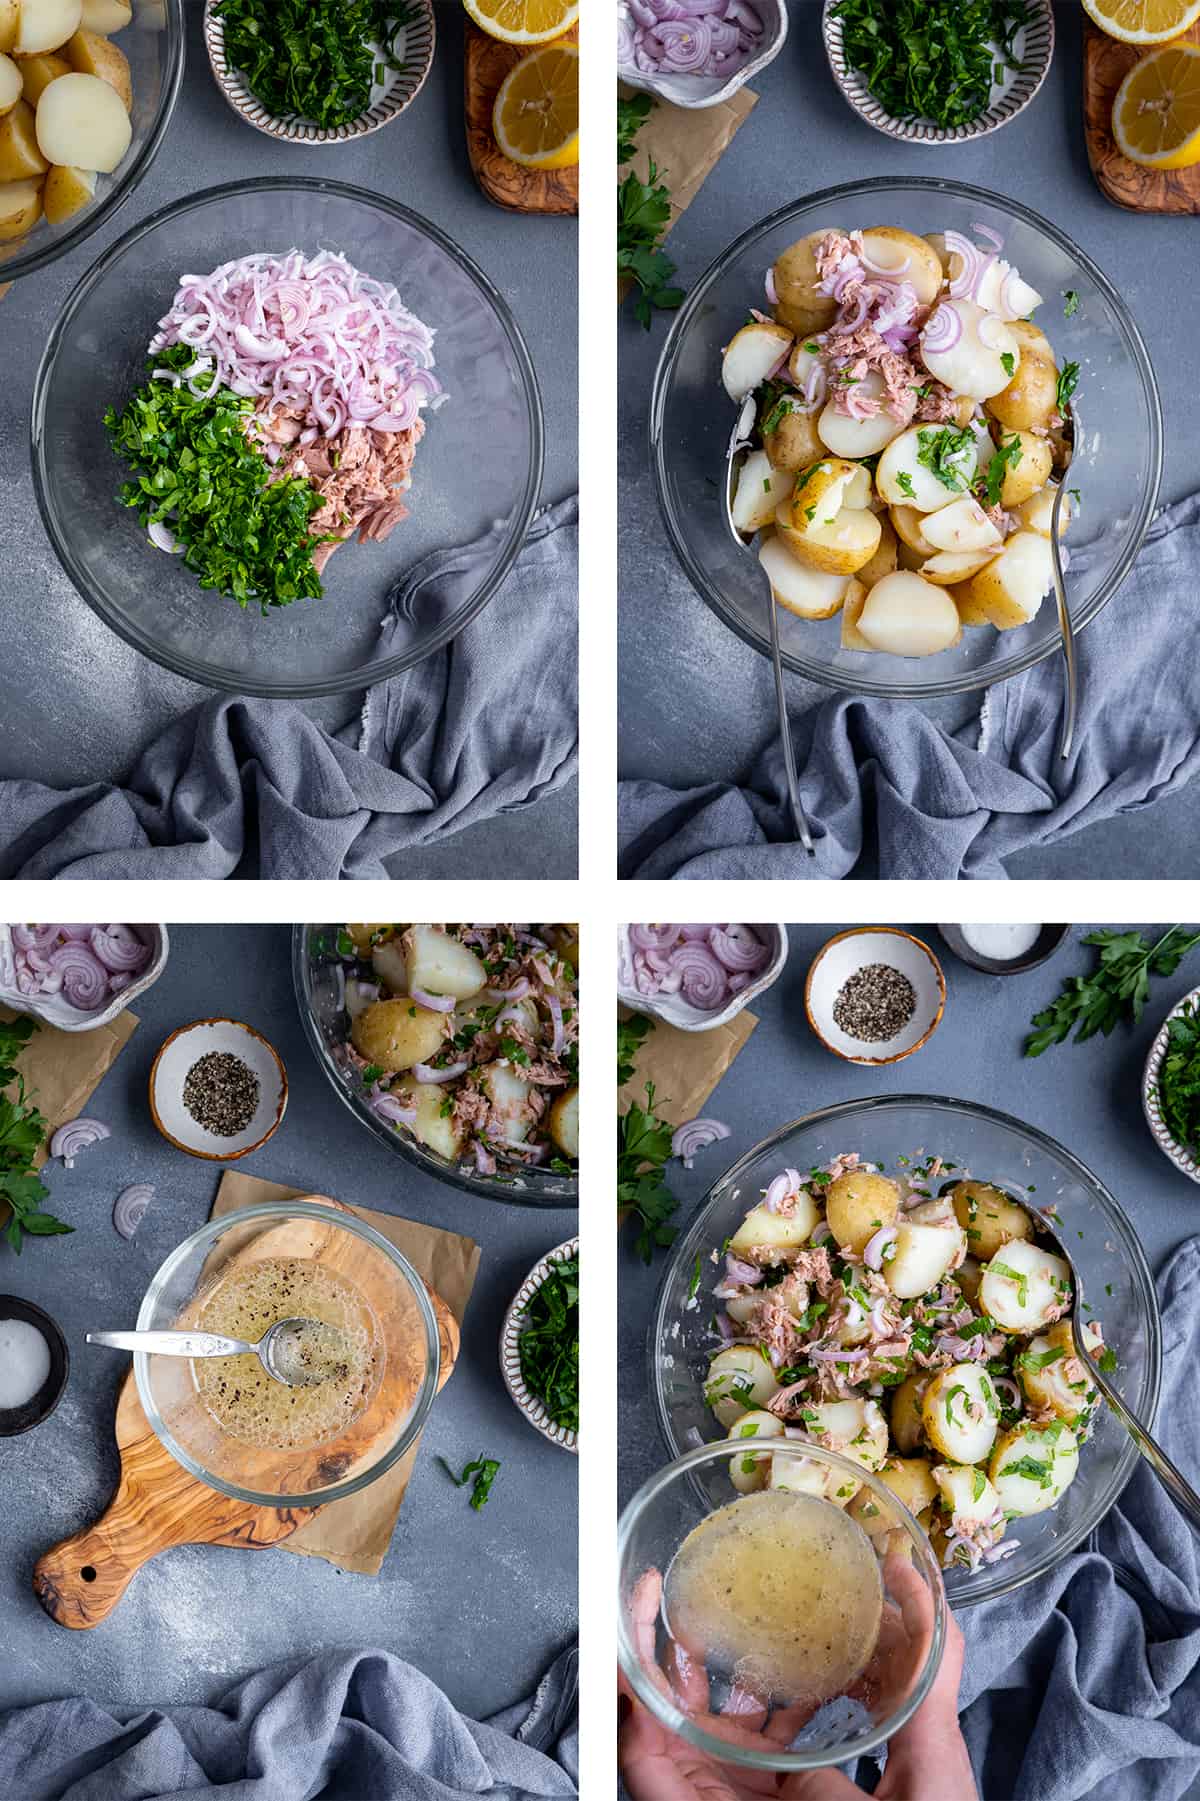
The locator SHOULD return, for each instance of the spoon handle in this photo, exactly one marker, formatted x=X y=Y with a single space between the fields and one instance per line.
x=799 y=818
x=1070 y=663
x=173 y=1344
x=1173 y=1480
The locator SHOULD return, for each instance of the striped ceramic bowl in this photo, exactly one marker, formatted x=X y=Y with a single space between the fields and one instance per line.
x=510 y=1358
x=414 y=42
x=1034 y=46
x=1183 y=1159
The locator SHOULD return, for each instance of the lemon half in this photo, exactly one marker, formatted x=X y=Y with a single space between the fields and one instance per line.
x=530 y=21
x=536 y=115
x=1143 y=21
x=1156 y=114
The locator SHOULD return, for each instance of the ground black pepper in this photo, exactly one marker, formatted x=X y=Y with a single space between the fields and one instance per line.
x=875 y=1003
x=221 y=1093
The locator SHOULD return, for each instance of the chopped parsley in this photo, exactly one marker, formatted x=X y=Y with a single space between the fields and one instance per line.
x=484 y=1470
x=932 y=59
x=1068 y=381
x=904 y=482
x=1013 y=1275
x=1070 y=303
x=548 y=1345
x=313 y=62
x=1007 y=456
x=938 y=451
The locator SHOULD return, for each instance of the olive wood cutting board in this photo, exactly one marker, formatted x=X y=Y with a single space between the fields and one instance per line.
x=486 y=62
x=1105 y=66
x=159 y=1505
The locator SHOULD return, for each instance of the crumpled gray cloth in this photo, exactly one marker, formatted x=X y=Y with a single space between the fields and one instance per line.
x=349 y=1726
x=484 y=726
x=1087 y=1681
x=953 y=806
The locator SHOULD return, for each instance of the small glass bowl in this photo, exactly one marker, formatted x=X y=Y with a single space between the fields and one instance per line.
x=475 y=479
x=992 y=1146
x=407 y=1334
x=153 y=45
x=327 y=1028
x=1117 y=464
x=900 y=1674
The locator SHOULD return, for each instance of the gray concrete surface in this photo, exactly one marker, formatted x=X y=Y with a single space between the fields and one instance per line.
x=676 y=656
x=79 y=703
x=479 y=1601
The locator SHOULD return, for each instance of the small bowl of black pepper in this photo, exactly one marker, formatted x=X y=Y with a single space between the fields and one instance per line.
x=218 y=1089
x=874 y=995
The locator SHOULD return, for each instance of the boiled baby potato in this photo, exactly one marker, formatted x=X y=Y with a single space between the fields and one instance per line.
x=1024 y=1287
x=797 y=283
x=1037 y=512
x=848 y=437
x=905 y=258
x=950 y=567
x=20 y=208
x=852 y=606
x=884 y=561
x=805 y=591
x=81 y=121
x=839 y=546
x=988 y=1217
x=966 y=1494
x=908 y=1426
x=821 y=491
x=854 y=1429
x=928 y=1238
x=90 y=54
x=911 y=1481
x=740 y=1378
x=968 y=1276
x=1032 y=1468
x=1013 y=586
x=10 y=15
x=37 y=72
x=760 y=489
x=1029 y=400
x=20 y=156
x=45 y=24
x=432 y=1126
x=909 y=617
x=962 y=526
x=509 y=1095
x=981 y=360
x=563 y=1121
x=365 y=937
x=909 y=526
x=441 y=965
x=1053 y=1378
x=960 y=1413
x=106 y=16
x=389 y=964
x=67 y=192
x=11 y=87
x=781 y=1231
x=751 y=355
x=794 y=441
x=751 y=1472
x=396 y=1034
x=857 y=1205
x=1028 y=470
x=904 y=480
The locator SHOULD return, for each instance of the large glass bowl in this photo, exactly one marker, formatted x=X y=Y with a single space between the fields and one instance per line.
x=405 y=1331
x=154 y=45
x=995 y=1148
x=327 y=1028
x=476 y=476
x=851 y=1721
x=1117 y=465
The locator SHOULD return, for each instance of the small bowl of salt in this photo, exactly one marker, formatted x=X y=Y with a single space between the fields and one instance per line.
x=1004 y=950
x=34 y=1365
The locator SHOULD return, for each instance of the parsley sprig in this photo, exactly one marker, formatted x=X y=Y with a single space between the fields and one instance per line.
x=313 y=61
x=484 y=1469
x=643 y=1151
x=643 y=214
x=932 y=59
x=1116 y=991
x=22 y=1133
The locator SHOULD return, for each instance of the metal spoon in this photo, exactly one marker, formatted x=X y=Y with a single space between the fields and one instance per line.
x=1071 y=673
x=281 y=1351
x=739 y=442
x=1173 y=1480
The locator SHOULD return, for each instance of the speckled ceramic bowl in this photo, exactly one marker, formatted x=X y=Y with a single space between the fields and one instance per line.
x=523 y=1398
x=1034 y=47
x=842 y=957
x=1184 y=1160
x=169 y=1072
x=694 y=92
x=674 y=1010
x=389 y=98
x=56 y=1011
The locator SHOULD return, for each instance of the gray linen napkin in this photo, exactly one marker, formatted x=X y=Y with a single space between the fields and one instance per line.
x=349 y=1726
x=954 y=806
x=487 y=725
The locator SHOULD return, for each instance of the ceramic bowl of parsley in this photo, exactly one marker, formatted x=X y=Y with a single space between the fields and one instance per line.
x=1171 y=1086
x=1115 y=472
x=469 y=487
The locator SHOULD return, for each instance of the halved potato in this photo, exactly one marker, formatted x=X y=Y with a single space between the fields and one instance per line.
x=760 y=489
x=10 y=14
x=82 y=122
x=106 y=16
x=962 y=526
x=840 y=546
x=1029 y=400
x=928 y=1241
x=396 y=1034
x=904 y=479
x=37 y=72
x=908 y=1426
x=1032 y=1467
x=857 y=1205
x=509 y=1094
x=807 y=592
x=984 y=357
x=949 y=567
x=752 y=1471
x=1024 y=1287
x=20 y=156
x=854 y=1429
x=751 y=355
x=885 y=558
x=970 y=612
x=966 y=1494
x=67 y=191
x=45 y=24
x=847 y=437
x=797 y=282
x=782 y=1231
x=905 y=258
x=563 y=1122
x=820 y=492
x=20 y=208
x=90 y=54
x=10 y=83
x=1013 y=586
x=1037 y=512
x=740 y=1378
x=988 y=1217
x=852 y=606
x=1028 y=470
x=961 y=1413
x=365 y=937
x=909 y=526
x=909 y=617
x=1053 y=1377
x=793 y=442
x=968 y=1276
x=433 y=1126
x=442 y=965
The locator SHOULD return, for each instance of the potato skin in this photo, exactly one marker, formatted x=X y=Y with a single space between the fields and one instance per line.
x=563 y=1122
x=795 y=443
x=396 y=1034
x=796 y=283
x=1030 y=474
x=988 y=1217
x=20 y=156
x=37 y=72
x=857 y=1205
x=1031 y=397
x=90 y=54
x=907 y=1419
x=886 y=557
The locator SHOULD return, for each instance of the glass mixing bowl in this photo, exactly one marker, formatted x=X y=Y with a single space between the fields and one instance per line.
x=995 y=1148
x=1117 y=464
x=404 y=1336
x=477 y=472
x=853 y=1717
x=153 y=45
x=327 y=1027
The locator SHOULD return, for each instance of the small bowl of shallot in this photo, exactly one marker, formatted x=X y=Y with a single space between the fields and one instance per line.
x=78 y=977
x=702 y=54
x=697 y=976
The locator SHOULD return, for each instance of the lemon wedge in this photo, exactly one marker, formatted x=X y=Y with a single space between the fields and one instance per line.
x=1156 y=114
x=1143 y=21
x=536 y=115
x=529 y=21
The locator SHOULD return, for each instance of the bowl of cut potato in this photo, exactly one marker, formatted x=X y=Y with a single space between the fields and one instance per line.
x=87 y=89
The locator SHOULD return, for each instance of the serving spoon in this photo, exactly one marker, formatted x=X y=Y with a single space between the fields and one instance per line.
x=1070 y=667
x=740 y=441
x=281 y=1351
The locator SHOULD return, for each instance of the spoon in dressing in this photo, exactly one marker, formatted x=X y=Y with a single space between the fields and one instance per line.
x=285 y=1351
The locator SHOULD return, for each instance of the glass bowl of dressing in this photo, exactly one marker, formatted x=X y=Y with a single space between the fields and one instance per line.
x=238 y=1429
x=771 y=1628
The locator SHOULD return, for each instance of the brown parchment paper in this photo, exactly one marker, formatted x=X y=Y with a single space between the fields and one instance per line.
x=62 y=1070
x=355 y=1533
x=685 y=1067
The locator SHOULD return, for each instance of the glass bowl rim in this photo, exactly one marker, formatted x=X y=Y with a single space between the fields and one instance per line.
x=173 y=68
x=1118 y=1221
x=842 y=681
x=201 y=1241
x=489 y=1187
x=685 y=1465
x=522 y=515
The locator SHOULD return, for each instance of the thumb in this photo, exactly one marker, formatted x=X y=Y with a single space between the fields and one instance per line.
x=819 y=1785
